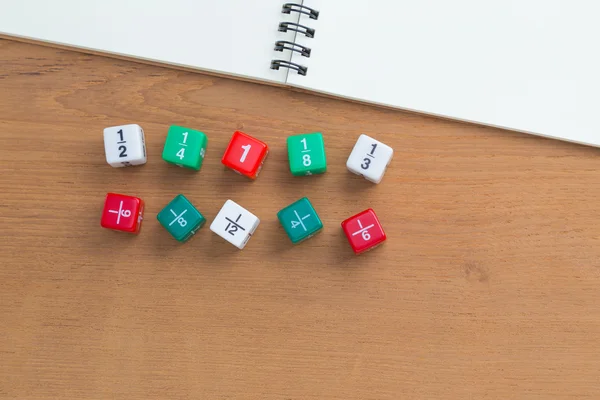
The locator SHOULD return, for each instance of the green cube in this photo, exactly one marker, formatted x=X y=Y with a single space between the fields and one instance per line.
x=300 y=220
x=185 y=147
x=306 y=154
x=180 y=218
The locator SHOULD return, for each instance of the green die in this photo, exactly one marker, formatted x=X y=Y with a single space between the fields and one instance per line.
x=306 y=153
x=180 y=218
x=300 y=220
x=185 y=147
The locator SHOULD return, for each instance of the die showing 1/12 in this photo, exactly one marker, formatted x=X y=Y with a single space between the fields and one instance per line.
x=124 y=145
x=245 y=154
x=180 y=218
x=122 y=213
x=300 y=220
x=306 y=154
x=363 y=231
x=235 y=224
x=369 y=158
x=185 y=147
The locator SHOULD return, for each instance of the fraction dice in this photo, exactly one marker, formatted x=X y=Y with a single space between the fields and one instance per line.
x=185 y=147
x=245 y=154
x=369 y=158
x=122 y=213
x=306 y=154
x=300 y=220
x=235 y=224
x=180 y=218
x=124 y=145
x=364 y=232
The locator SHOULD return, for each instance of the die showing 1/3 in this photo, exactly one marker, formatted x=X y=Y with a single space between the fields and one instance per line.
x=122 y=213
x=124 y=145
x=180 y=218
x=363 y=231
x=300 y=220
x=235 y=224
x=245 y=154
x=369 y=158
x=306 y=154
x=185 y=147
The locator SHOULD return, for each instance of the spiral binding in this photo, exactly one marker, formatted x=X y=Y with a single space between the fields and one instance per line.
x=289 y=7
x=282 y=45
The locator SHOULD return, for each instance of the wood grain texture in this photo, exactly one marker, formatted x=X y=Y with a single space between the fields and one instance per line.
x=487 y=287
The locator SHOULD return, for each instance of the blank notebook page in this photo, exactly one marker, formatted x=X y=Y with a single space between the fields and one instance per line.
x=526 y=65
x=233 y=37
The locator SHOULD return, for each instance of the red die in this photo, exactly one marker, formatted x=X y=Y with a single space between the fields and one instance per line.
x=122 y=213
x=363 y=230
x=245 y=154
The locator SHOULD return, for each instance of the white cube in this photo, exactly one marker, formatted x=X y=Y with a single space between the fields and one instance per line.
x=235 y=224
x=124 y=145
x=369 y=158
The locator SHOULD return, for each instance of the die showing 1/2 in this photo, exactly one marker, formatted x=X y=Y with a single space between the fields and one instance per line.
x=300 y=220
x=122 y=213
x=124 y=145
x=235 y=224
x=245 y=154
x=180 y=218
x=306 y=154
x=185 y=147
x=363 y=231
x=369 y=158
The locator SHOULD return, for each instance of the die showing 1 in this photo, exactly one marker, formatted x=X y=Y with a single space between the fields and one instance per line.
x=180 y=218
x=363 y=230
x=369 y=158
x=124 y=145
x=306 y=154
x=185 y=147
x=245 y=154
x=122 y=213
x=235 y=224
x=300 y=220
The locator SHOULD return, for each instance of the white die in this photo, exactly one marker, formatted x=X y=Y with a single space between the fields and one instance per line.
x=124 y=145
x=369 y=158
x=235 y=224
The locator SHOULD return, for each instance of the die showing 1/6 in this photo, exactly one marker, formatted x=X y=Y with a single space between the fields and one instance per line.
x=122 y=213
x=363 y=231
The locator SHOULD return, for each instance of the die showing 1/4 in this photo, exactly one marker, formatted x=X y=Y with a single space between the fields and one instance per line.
x=180 y=218
x=306 y=154
x=245 y=154
x=185 y=147
x=124 y=145
x=300 y=220
x=122 y=213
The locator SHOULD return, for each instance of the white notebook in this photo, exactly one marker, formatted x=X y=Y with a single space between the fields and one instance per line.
x=524 y=65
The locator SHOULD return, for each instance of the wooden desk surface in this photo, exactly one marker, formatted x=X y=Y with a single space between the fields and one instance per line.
x=487 y=288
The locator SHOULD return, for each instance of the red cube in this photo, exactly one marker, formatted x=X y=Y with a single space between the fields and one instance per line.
x=364 y=232
x=245 y=154
x=122 y=213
